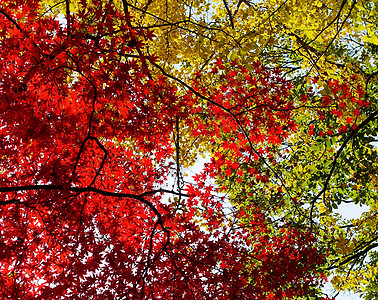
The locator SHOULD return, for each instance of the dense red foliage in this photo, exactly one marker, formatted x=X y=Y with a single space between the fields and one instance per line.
x=85 y=149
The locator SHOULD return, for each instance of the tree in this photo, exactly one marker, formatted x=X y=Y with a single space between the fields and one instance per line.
x=104 y=103
x=90 y=133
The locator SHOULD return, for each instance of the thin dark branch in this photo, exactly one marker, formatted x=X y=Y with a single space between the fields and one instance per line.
x=106 y=153
x=229 y=14
x=337 y=33
x=11 y=19
x=354 y=256
x=137 y=197
x=341 y=149
x=68 y=17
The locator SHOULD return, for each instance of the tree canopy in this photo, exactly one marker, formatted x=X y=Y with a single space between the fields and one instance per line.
x=187 y=150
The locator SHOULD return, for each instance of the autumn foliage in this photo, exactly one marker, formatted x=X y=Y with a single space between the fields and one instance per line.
x=93 y=131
